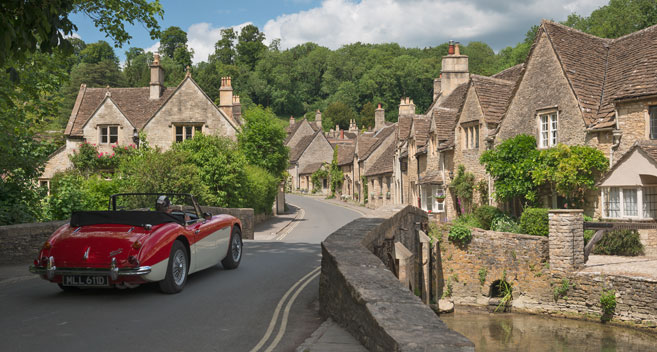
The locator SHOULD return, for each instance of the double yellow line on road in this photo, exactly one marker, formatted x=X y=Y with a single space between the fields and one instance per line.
x=295 y=290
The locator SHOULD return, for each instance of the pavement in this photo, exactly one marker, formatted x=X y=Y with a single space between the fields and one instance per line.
x=644 y=267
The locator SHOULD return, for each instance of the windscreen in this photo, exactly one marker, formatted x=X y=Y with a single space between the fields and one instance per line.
x=171 y=203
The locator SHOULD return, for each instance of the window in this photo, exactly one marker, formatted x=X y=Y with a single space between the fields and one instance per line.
x=428 y=199
x=109 y=134
x=626 y=202
x=548 y=129
x=653 y=122
x=471 y=136
x=184 y=132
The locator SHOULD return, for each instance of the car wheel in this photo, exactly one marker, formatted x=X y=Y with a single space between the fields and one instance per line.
x=234 y=256
x=176 y=276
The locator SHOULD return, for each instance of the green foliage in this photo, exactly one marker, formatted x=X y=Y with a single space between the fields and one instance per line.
x=171 y=39
x=435 y=232
x=463 y=185
x=482 y=276
x=262 y=189
x=561 y=289
x=571 y=171
x=262 y=140
x=506 y=291
x=335 y=173
x=608 y=304
x=618 y=18
x=317 y=177
x=447 y=292
x=460 y=235
x=505 y=223
x=468 y=220
x=72 y=191
x=250 y=45
x=588 y=234
x=31 y=26
x=535 y=221
x=221 y=168
x=338 y=113
x=87 y=158
x=366 y=193
x=619 y=242
x=485 y=214
x=482 y=188
x=367 y=115
x=224 y=48
x=511 y=164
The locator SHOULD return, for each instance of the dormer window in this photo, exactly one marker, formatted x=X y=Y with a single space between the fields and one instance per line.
x=547 y=126
x=109 y=134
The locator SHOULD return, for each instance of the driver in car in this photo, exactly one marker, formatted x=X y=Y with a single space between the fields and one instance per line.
x=163 y=204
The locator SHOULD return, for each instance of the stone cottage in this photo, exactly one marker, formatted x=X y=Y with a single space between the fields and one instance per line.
x=109 y=116
x=308 y=155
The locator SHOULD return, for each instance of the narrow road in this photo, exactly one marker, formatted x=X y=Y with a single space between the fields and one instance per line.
x=219 y=310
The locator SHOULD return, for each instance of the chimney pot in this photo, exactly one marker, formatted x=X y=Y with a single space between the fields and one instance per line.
x=450 y=50
x=341 y=134
x=457 y=50
x=379 y=106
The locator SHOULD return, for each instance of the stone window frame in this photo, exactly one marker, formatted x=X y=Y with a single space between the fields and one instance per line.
x=552 y=127
x=195 y=127
x=652 y=116
x=642 y=198
x=45 y=183
x=108 y=130
x=470 y=135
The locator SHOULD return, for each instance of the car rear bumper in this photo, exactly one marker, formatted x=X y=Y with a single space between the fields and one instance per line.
x=50 y=271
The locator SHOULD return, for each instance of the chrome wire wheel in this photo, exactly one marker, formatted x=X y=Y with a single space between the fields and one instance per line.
x=179 y=267
x=236 y=249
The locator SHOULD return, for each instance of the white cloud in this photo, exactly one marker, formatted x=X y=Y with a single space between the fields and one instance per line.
x=201 y=37
x=420 y=23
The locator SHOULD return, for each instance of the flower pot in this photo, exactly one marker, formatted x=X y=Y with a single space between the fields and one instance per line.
x=440 y=199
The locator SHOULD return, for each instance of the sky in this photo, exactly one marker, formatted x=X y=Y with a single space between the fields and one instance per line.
x=333 y=23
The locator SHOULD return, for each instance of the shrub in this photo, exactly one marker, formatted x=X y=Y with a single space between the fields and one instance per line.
x=608 y=304
x=460 y=234
x=505 y=223
x=619 y=242
x=467 y=220
x=561 y=290
x=262 y=189
x=463 y=185
x=485 y=214
x=535 y=221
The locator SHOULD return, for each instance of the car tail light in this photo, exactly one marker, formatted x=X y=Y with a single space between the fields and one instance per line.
x=136 y=245
x=46 y=246
x=133 y=260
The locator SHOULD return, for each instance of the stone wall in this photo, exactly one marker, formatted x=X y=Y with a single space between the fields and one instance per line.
x=361 y=294
x=21 y=243
x=536 y=267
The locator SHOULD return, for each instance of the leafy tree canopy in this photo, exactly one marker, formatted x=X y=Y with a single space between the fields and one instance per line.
x=262 y=140
x=618 y=18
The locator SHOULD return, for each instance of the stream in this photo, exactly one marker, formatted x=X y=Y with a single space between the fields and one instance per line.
x=537 y=333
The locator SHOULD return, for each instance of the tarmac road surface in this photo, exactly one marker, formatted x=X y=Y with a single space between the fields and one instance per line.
x=219 y=310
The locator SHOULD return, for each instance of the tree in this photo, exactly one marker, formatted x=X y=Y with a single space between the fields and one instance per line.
x=136 y=70
x=618 y=18
x=96 y=52
x=224 y=48
x=262 y=141
x=250 y=45
x=511 y=165
x=335 y=173
x=337 y=114
x=171 y=39
x=570 y=171
x=32 y=25
x=367 y=115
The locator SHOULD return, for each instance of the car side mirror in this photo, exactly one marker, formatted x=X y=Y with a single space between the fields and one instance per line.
x=207 y=216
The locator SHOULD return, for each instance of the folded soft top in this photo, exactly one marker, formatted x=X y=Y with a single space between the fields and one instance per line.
x=123 y=217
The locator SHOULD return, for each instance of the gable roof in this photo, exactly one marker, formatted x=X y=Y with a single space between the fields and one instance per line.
x=446 y=115
x=346 y=154
x=404 y=122
x=383 y=164
x=134 y=103
x=363 y=145
x=297 y=150
x=494 y=94
x=601 y=70
x=380 y=136
x=646 y=147
x=292 y=130
x=421 y=129
x=311 y=168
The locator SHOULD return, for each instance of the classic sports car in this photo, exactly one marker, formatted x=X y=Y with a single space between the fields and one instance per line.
x=143 y=237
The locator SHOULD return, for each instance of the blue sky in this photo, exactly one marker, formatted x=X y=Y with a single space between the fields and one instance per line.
x=333 y=23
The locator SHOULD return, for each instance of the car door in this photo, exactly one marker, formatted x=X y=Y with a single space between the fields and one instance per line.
x=211 y=242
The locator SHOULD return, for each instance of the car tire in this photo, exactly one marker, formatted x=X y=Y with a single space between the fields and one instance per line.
x=234 y=256
x=177 y=269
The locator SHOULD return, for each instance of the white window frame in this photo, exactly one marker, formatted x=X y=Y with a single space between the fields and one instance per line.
x=428 y=193
x=108 y=130
x=548 y=129
x=621 y=195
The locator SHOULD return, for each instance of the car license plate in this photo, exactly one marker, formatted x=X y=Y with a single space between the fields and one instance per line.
x=85 y=280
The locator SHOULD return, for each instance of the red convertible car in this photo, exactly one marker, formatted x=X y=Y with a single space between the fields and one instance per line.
x=143 y=237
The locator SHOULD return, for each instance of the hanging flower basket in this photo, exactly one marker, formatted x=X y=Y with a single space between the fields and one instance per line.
x=440 y=199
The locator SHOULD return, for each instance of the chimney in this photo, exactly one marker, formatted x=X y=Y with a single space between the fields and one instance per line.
x=341 y=134
x=379 y=118
x=450 y=50
x=237 y=109
x=291 y=120
x=436 y=88
x=454 y=70
x=318 y=119
x=353 y=127
x=406 y=107
x=226 y=97
x=157 y=78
